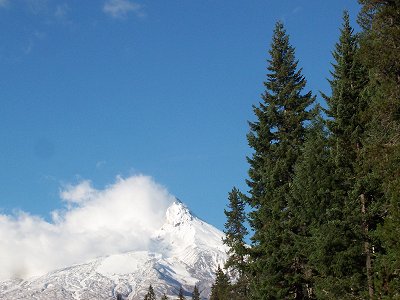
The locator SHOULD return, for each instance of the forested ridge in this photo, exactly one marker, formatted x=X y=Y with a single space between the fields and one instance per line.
x=322 y=206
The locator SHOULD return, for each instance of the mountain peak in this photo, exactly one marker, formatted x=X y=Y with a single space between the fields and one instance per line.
x=178 y=214
x=184 y=252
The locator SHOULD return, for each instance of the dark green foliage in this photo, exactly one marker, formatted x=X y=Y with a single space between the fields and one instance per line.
x=180 y=295
x=380 y=20
x=240 y=288
x=380 y=44
x=196 y=293
x=346 y=108
x=221 y=288
x=387 y=261
x=310 y=194
x=236 y=231
x=277 y=137
x=164 y=297
x=150 y=294
x=341 y=256
x=324 y=198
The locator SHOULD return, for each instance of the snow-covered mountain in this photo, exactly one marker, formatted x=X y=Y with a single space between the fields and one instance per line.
x=184 y=252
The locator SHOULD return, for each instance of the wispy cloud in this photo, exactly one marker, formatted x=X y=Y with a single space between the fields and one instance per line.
x=120 y=9
x=46 y=14
x=41 y=145
x=61 y=11
x=3 y=3
x=61 y=15
x=116 y=219
x=295 y=11
x=78 y=193
x=38 y=7
x=28 y=48
x=100 y=164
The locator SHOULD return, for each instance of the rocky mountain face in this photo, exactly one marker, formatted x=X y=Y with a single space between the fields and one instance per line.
x=184 y=252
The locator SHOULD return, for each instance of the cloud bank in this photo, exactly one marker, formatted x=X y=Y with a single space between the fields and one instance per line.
x=116 y=219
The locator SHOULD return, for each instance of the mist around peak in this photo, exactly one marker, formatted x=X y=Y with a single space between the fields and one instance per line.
x=94 y=222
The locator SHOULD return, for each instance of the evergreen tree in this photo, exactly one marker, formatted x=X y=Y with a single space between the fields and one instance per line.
x=346 y=106
x=164 y=297
x=235 y=233
x=220 y=288
x=180 y=295
x=342 y=261
x=277 y=138
x=196 y=293
x=380 y=164
x=310 y=193
x=150 y=294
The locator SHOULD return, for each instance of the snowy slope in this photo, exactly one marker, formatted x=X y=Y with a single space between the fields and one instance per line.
x=185 y=251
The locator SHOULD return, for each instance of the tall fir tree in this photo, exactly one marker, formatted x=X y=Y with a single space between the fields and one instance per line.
x=196 y=293
x=150 y=294
x=236 y=232
x=311 y=194
x=345 y=262
x=277 y=137
x=164 y=297
x=220 y=290
x=380 y=44
x=346 y=106
x=181 y=296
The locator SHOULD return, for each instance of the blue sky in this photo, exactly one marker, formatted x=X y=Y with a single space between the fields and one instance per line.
x=90 y=90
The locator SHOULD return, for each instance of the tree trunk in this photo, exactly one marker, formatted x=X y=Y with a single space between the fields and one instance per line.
x=367 y=248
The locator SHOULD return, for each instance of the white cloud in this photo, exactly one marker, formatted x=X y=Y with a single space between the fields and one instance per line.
x=121 y=8
x=78 y=193
x=117 y=219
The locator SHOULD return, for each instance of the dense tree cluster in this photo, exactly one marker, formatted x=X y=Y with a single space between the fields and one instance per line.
x=151 y=295
x=323 y=203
